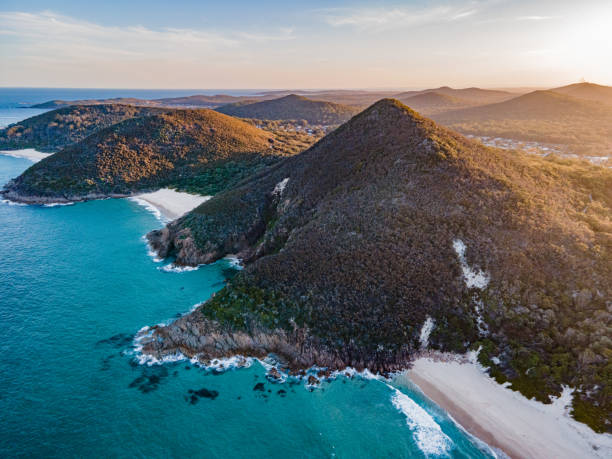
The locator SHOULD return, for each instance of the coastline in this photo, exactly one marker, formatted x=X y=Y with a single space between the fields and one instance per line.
x=27 y=153
x=169 y=203
x=503 y=418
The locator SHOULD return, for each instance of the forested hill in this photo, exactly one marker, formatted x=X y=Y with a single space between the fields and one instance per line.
x=56 y=129
x=293 y=107
x=391 y=221
x=199 y=149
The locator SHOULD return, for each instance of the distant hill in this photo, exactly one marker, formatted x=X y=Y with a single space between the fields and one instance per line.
x=429 y=103
x=391 y=221
x=355 y=98
x=589 y=91
x=188 y=101
x=292 y=107
x=177 y=148
x=202 y=100
x=471 y=96
x=543 y=116
x=56 y=129
x=118 y=100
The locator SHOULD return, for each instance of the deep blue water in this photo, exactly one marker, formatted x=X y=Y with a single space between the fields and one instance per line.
x=76 y=283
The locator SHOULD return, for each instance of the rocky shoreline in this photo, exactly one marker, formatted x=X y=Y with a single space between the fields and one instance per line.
x=12 y=195
x=197 y=337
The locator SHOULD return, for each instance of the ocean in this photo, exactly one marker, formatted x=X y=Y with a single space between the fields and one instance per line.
x=77 y=283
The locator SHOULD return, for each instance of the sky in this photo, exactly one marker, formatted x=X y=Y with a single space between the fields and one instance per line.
x=304 y=45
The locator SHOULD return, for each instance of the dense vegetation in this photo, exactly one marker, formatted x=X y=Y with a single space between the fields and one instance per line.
x=543 y=116
x=351 y=244
x=292 y=107
x=195 y=149
x=56 y=129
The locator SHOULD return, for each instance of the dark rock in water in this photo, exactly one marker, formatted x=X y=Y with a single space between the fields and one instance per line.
x=118 y=340
x=259 y=387
x=106 y=361
x=282 y=392
x=273 y=375
x=312 y=381
x=195 y=395
x=150 y=379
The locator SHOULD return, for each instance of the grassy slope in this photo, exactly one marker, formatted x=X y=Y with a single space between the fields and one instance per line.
x=359 y=250
x=292 y=107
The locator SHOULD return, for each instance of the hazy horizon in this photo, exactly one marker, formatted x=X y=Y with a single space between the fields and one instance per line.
x=352 y=45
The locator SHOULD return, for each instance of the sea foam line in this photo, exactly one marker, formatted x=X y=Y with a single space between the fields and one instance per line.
x=427 y=433
x=151 y=208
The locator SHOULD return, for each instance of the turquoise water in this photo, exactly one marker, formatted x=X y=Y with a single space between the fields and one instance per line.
x=76 y=284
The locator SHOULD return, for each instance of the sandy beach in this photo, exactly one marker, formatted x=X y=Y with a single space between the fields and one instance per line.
x=503 y=418
x=28 y=153
x=171 y=204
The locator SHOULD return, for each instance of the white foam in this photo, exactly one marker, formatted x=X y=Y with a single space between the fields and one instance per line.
x=226 y=363
x=234 y=261
x=13 y=203
x=151 y=208
x=172 y=268
x=426 y=431
x=426 y=329
x=58 y=204
x=150 y=252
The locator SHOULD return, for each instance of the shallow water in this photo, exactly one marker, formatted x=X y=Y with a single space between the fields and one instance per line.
x=76 y=284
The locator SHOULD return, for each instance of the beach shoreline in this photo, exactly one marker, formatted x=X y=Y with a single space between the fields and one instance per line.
x=503 y=418
x=169 y=203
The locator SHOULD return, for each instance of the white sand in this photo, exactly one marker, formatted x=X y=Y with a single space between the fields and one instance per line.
x=169 y=203
x=504 y=418
x=28 y=153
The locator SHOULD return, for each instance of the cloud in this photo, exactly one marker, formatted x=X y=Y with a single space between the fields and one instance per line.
x=382 y=18
x=51 y=36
